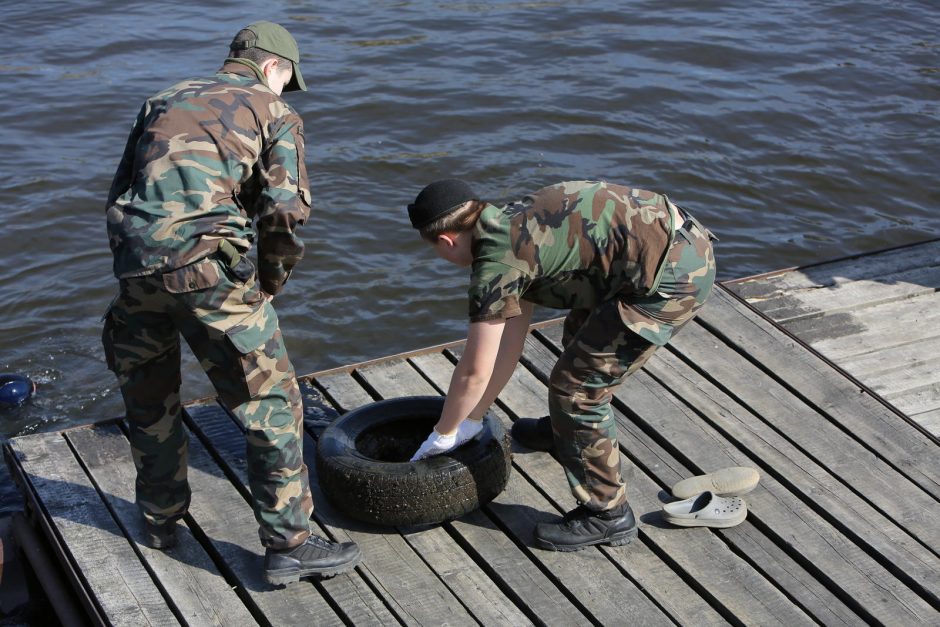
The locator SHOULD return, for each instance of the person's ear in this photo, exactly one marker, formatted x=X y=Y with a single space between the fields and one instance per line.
x=448 y=239
x=269 y=66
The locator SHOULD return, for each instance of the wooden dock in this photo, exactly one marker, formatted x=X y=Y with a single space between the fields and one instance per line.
x=876 y=316
x=841 y=530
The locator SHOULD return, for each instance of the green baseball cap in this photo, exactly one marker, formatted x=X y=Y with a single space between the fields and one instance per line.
x=274 y=38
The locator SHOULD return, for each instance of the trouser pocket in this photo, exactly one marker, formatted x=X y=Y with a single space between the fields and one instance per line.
x=257 y=357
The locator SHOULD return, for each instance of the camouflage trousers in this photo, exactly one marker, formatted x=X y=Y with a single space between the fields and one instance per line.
x=233 y=332
x=603 y=346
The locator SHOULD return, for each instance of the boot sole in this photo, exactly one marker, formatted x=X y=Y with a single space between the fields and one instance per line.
x=705 y=522
x=725 y=482
x=285 y=576
x=618 y=539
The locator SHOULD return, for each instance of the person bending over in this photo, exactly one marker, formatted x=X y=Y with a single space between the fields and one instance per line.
x=632 y=267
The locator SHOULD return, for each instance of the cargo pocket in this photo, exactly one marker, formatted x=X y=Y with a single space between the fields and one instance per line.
x=198 y=275
x=255 y=342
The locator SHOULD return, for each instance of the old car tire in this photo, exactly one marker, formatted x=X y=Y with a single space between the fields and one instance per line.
x=363 y=467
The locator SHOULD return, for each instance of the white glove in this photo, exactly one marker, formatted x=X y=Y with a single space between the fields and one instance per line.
x=468 y=430
x=435 y=445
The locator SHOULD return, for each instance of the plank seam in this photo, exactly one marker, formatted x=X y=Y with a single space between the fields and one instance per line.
x=79 y=583
x=143 y=562
x=773 y=273
x=784 y=546
x=811 y=404
x=527 y=551
x=452 y=532
x=373 y=586
x=687 y=577
x=730 y=343
x=317 y=583
x=823 y=313
x=203 y=538
x=859 y=541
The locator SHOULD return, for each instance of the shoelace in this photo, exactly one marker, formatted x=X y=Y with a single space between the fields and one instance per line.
x=320 y=542
x=575 y=518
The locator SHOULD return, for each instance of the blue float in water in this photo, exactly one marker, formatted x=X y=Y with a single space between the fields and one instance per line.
x=15 y=389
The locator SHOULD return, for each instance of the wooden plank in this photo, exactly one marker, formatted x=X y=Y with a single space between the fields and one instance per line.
x=843 y=335
x=788 y=473
x=511 y=567
x=922 y=377
x=220 y=512
x=408 y=586
x=814 y=526
x=613 y=597
x=186 y=573
x=930 y=420
x=829 y=445
x=867 y=266
x=119 y=583
x=676 y=597
x=887 y=267
x=914 y=402
x=351 y=594
x=318 y=413
x=900 y=444
x=796 y=297
x=750 y=588
x=881 y=360
x=398 y=378
x=343 y=391
x=507 y=563
x=424 y=595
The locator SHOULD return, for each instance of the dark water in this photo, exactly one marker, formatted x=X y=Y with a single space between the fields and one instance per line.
x=798 y=131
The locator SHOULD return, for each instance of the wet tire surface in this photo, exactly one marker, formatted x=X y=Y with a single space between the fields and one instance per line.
x=363 y=467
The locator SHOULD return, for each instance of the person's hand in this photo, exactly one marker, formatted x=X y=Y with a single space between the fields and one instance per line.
x=468 y=430
x=435 y=445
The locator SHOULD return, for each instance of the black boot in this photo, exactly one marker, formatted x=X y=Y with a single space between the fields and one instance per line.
x=582 y=527
x=534 y=433
x=316 y=556
x=161 y=536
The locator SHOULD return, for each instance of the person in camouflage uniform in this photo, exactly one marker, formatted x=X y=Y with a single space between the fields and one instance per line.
x=632 y=267
x=205 y=158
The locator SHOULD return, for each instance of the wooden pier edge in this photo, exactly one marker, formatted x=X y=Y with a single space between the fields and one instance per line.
x=838 y=532
x=832 y=364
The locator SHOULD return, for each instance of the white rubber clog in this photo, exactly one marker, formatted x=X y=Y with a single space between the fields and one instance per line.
x=706 y=510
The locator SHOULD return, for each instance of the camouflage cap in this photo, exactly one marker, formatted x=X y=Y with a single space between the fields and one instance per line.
x=274 y=38
x=437 y=200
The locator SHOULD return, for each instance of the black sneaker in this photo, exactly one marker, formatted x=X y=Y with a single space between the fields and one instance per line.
x=534 y=433
x=161 y=536
x=582 y=527
x=316 y=556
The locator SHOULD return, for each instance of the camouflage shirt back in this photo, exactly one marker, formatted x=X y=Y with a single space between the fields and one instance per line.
x=205 y=158
x=568 y=246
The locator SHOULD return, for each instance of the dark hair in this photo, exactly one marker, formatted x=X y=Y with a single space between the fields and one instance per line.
x=256 y=55
x=461 y=219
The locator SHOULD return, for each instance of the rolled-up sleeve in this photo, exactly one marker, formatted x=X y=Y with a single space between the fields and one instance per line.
x=495 y=291
x=283 y=204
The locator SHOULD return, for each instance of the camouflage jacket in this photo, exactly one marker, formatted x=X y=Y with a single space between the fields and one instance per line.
x=568 y=246
x=205 y=158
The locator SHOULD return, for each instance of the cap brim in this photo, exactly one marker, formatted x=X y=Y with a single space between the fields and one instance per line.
x=296 y=82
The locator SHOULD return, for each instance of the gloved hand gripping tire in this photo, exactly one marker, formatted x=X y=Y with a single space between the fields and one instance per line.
x=437 y=444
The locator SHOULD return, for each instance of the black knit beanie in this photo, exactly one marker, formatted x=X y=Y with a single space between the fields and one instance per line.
x=437 y=200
